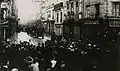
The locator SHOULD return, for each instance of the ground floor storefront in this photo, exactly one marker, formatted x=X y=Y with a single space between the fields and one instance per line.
x=73 y=28
x=58 y=29
x=48 y=26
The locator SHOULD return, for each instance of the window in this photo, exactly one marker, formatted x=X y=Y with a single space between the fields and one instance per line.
x=48 y=14
x=52 y=14
x=67 y=6
x=57 y=17
x=68 y=13
x=77 y=8
x=72 y=6
x=116 y=9
x=77 y=4
x=97 y=6
x=61 y=17
x=2 y=12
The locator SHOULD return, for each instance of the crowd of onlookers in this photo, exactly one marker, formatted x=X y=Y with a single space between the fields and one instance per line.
x=57 y=54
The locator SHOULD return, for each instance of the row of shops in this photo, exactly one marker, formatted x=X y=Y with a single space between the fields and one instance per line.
x=90 y=28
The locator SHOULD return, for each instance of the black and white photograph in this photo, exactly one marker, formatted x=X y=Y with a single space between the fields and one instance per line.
x=59 y=35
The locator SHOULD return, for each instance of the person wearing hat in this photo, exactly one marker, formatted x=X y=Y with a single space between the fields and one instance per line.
x=14 y=69
x=35 y=65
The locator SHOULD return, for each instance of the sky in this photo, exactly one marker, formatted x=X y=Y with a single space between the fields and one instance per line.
x=27 y=10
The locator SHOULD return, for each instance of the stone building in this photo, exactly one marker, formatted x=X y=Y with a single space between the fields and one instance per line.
x=73 y=18
x=8 y=19
x=101 y=19
x=47 y=15
x=68 y=16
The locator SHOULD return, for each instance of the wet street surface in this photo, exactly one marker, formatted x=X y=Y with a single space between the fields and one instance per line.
x=23 y=36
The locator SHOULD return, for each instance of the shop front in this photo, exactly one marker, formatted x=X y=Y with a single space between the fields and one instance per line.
x=72 y=28
x=68 y=28
x=94 y=30
x=113 y=28
x=58 y=29
x=48 y=26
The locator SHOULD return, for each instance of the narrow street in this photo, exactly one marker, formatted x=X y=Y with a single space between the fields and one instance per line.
x=59 y=35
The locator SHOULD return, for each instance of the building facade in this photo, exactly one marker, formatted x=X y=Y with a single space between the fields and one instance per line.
x=47 y=15
x=101 y=20
x=8 y=19
x=59 y=15
x=61 y=10
x=70 y=15
x=73 y=18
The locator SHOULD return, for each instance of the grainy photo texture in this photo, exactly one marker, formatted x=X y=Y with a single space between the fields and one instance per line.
x=59 y=35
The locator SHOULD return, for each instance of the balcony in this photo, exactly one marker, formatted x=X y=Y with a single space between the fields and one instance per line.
x=71 y=0
x=58 y=6
x=4 y=5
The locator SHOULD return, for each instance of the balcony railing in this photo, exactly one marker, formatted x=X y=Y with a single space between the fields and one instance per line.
x=71 y=0
x=58 y=6
x=3 y=22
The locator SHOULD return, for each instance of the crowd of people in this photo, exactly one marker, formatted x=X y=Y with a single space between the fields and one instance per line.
x=57 y=54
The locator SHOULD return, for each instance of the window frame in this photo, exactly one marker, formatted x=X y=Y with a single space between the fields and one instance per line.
x=57 y=17
x=61 y=16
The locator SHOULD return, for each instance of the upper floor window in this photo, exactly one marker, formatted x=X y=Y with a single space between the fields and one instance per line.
x=61 y=17
x=77 y=7
x=67 y=6
x=57 y=17
x=72 y=6
x=97 y=6
x=49 y=14
x=116 y=9
x=52 y=14
x=77 y=4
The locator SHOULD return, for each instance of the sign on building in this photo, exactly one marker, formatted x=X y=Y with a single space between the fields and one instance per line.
x=114 y=22
x=92 y=22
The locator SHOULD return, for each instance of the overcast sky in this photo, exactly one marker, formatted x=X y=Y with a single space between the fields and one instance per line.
x=27 y=10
